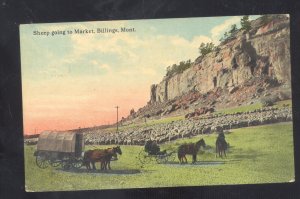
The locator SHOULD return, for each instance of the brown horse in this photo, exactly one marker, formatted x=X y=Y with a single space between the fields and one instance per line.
x=221 y=145
x=100 y=155
x=110 y=152
x=191 y=149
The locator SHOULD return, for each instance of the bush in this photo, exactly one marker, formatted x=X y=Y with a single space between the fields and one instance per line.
x=204 y=49
x=178 y=68
x=233 y=29
x=265 y=19
x=268 y=101
x=285 y=94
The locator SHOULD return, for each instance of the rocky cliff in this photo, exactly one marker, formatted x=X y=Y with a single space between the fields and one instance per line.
x=263 y=52
x=246 y=68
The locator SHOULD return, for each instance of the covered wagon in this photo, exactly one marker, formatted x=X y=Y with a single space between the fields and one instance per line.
x=57 y=148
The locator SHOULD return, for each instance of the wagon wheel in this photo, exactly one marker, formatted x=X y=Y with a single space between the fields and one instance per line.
x=77 y=163
x=55 y=163
x=41 y=162
x=66 y=164
x=171 y=156
x=161 y=159
x=143 y=157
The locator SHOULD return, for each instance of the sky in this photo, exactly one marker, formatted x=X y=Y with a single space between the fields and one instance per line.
x=77 y=80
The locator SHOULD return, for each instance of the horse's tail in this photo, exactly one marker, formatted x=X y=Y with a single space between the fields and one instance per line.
x=225 y=145
x=179 y=152
x=179 y=155
x=217 y=148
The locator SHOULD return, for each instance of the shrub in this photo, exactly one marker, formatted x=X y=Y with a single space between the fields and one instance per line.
x=204 y=49
x=285 y=94
x=265 y=19
x=178 y=68
x=233 y=29
x=268 y=101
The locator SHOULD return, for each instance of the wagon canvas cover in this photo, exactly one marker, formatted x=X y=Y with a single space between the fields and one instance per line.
x=57 y=141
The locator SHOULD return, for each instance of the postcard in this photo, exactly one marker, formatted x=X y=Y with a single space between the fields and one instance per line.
x=157 y=103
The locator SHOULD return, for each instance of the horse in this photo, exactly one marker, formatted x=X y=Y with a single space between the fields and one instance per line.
x=100 y=155
x=191 y=149
x=110 y=152
x=221 y=145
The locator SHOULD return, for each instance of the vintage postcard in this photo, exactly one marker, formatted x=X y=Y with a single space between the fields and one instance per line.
x=157 y=103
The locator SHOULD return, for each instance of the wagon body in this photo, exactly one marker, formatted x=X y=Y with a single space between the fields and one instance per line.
x=151 y=151
x=59 y=148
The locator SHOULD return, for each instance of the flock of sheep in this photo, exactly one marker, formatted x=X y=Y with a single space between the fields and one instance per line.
x=190 y=127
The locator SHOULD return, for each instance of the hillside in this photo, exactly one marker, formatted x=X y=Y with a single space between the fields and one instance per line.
x=245 y=81
x=246 y=68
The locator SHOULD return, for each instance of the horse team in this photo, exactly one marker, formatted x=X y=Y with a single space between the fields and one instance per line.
x=104 y=156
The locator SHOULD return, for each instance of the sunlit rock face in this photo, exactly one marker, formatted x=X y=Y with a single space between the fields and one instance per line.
x=262 y=52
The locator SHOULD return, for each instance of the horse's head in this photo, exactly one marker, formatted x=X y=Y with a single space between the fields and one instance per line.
x=117 y=149
x=201 y=143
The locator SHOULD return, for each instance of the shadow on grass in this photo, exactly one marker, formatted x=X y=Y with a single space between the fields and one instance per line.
x=246 y=154
x=200 y=163
x=113 y=171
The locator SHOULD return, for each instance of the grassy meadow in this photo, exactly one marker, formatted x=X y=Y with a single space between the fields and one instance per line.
x=252 y=107
x=262 y=154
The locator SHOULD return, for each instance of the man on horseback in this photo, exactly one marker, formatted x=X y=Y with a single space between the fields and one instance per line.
x=221 y=145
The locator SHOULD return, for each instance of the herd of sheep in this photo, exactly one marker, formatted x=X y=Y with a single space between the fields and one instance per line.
x=189 y=127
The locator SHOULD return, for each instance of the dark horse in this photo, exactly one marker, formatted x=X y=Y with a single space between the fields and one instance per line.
x=103 y=156
x=221 y=145
x=191 y=149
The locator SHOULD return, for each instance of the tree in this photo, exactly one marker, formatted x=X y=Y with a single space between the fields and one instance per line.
x=204 y=49
x=265 y=19
x=225 y=35
x=132 y=111
x=245 y=23
x=232 y=29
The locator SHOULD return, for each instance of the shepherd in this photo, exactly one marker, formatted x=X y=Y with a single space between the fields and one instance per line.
x=221 y=145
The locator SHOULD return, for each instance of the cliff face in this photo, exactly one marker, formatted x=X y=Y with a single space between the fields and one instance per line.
x=262 y=52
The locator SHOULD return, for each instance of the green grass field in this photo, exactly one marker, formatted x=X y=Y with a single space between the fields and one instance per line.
x=252 y=107
x=262 y=154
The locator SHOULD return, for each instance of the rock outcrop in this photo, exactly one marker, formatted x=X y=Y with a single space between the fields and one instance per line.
x=264 y=51
x=246 y=68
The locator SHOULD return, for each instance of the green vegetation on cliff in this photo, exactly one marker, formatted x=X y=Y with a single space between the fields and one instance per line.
x=178 y=68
